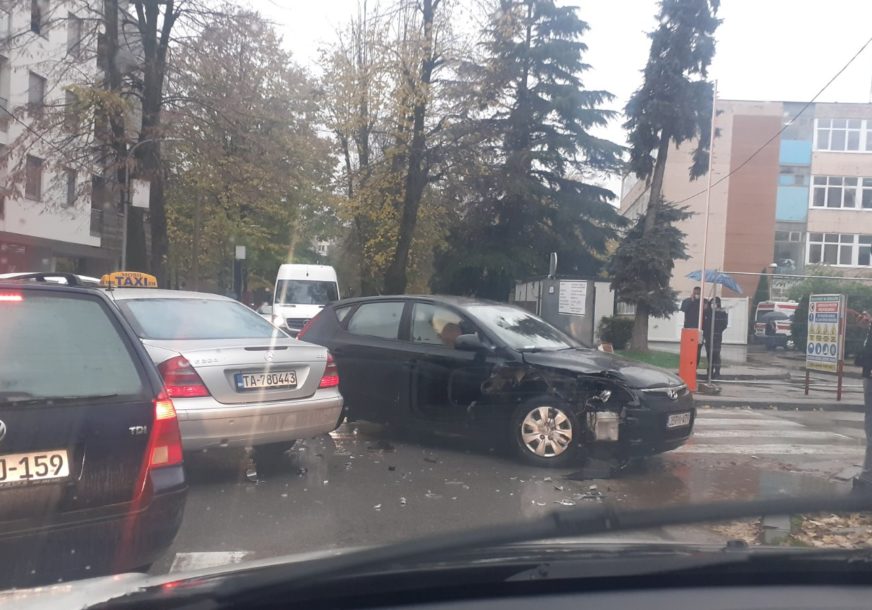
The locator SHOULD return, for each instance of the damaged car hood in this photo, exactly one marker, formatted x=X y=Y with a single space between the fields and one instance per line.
x=592 y=362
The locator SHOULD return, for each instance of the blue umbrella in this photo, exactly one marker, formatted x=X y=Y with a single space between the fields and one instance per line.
x=713 y=276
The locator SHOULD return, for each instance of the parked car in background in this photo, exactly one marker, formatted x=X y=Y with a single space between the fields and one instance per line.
x=772 y=322
x=237 y=381
x=468 y=366
x=52 y=277
x=91 y=474
x=300 y=293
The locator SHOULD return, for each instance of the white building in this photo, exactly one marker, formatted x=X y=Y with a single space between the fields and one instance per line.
x=54 y=213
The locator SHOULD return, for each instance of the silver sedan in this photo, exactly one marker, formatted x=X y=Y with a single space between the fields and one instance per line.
x=235 y=379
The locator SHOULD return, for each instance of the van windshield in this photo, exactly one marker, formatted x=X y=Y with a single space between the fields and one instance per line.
x=305 y=292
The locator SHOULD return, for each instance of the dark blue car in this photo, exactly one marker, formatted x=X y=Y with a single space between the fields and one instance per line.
x=91 y=473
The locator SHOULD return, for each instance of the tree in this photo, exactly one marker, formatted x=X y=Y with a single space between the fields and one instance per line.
x=672 y=106
x=380 y=98
x=644 y=261
x=529 y=124
x=252 y=168
x=418 y=85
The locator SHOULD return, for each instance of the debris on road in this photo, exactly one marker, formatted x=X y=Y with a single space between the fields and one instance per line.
x=381 y=445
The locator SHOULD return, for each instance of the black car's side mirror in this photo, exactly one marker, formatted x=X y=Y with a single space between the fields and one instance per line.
x=470 y=343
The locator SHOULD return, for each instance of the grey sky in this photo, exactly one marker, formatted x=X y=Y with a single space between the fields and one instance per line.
x=767 y=49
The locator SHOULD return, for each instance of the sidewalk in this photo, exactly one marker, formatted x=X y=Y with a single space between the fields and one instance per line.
x=776 y=380
x=782 y=395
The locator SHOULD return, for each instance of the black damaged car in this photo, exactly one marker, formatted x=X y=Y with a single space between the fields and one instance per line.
x=455 y=364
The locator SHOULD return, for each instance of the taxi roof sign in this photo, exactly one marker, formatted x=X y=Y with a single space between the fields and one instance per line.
x=128 y=279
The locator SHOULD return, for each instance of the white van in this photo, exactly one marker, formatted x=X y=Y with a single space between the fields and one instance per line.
x=301 y=291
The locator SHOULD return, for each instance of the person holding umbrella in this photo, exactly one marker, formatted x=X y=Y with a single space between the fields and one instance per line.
x=712 y=276
x=714 y=323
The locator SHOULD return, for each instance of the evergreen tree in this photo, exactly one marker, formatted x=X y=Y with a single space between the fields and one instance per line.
x=672 y=106
x=644 y=260
x=530 y=129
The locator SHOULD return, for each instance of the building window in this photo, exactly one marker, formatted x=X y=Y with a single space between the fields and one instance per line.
x=793 y=176
x=71 y=115
x=844 y=250
x=33 y=178
x=71 y=178
x=864 y=253
x=5 y=25
x=839 y=134
x=38 y=16
x=5 y=84
x=101 y=51
x=98 y=199
x=866 y=194
x=74 y=35
x=35 y=92
x=834 y=192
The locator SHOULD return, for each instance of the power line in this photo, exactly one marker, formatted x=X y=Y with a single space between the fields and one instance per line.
x=786 y=125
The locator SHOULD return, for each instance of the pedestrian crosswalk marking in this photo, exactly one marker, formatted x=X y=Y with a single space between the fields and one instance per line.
x=751 y=423
x=788 y=434
x=186 y=562
x=773 y=449
x=754 y=433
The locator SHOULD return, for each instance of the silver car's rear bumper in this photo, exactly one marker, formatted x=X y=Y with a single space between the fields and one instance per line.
x=205 y=423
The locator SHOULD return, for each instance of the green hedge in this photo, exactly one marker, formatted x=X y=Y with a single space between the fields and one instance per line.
x=616 y=330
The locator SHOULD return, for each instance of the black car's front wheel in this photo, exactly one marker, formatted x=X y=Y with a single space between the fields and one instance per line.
x=544 y=432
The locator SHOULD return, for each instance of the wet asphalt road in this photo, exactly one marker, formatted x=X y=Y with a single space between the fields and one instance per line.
x=361 y=486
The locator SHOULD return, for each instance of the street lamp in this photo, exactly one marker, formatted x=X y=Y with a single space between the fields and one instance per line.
x=127 y=199
x=772 y=267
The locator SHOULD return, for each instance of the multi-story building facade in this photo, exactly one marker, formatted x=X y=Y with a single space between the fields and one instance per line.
x=56 y=212
x=790 y=200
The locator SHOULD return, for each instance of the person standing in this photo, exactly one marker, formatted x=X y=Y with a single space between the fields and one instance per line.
x=691 y=309
x=864 y=361
x=714 y=337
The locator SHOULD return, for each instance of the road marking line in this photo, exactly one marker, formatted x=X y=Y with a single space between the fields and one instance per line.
x=788 y=434
x=731 y=449
x=185 y=562
x=712 y=422
x=728 y=413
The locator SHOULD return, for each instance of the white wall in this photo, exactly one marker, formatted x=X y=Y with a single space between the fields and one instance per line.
x=604 y=303
x=669 y=329
x=49 y=218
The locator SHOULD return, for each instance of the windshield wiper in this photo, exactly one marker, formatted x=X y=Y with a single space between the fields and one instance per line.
x=533 y=349
x=581 y=521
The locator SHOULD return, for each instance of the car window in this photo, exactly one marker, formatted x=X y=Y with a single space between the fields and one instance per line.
x=519 y=329
x=342 y=312
x=435 y=325
x=377 y=320
x=63 y=346
x=305 y=292
x=195 y=319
